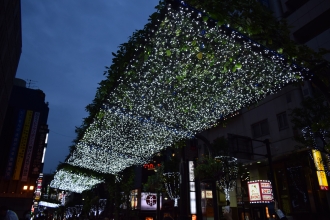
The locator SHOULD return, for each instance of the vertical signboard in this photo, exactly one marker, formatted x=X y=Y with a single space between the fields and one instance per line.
x=192 y=194
x=14 y=145
x=37 y=192
x=36 y=161
x=29 y=150
x=260 y=191
x=22 y=145
x=323 y=183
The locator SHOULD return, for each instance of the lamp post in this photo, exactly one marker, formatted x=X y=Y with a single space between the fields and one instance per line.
x=271 y=170
x=270 y=164
x=213 y=184
x=268 y=155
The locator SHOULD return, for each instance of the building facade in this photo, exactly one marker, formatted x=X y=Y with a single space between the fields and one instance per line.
x=23 y=143
x=296 y=185
x=308 y=21
x=10 y=50
x=297 y=188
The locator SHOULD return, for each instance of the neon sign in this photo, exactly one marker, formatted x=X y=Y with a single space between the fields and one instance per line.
x=151 y=166
x=320 y=170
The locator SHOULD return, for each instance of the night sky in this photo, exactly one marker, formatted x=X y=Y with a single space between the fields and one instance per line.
x=66 y=46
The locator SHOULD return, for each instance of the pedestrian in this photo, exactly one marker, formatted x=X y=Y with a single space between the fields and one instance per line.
x=6 y=214
x=227 y=211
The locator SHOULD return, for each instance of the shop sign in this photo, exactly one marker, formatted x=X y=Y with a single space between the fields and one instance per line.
x=191 y=168
x=191 y=171
x=208 y=194
x=320 y=170
x=151 y=166
x=149 y=201
x=260 y=191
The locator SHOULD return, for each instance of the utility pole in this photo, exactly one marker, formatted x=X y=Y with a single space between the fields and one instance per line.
x=268 y=155
x=270 y=164
x=213 y=182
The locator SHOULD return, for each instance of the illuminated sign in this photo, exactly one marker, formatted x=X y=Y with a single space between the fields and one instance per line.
x=134 y=199
x=208 y=194
x=149 y=201
x=36 y=165
x=151 y=166
x=320 y=170
x=193 y=208
x=37 y=192
x=14 y=145
x=191 y=171
x=48 y=204
x=192 y=187
x=29 y=149
x=22 y=145
x=260 y=191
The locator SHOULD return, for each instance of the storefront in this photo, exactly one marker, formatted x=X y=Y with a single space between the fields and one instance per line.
x=301 y=193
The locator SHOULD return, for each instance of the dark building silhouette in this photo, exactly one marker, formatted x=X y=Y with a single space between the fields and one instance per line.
x=22 y=145
x=10 y=49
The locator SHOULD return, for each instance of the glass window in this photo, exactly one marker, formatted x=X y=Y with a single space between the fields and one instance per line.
x=282 y=121
x=260 y=128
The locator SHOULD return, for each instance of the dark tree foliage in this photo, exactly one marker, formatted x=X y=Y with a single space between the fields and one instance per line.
x=312 y=120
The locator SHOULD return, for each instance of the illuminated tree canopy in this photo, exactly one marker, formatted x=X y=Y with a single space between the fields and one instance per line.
x=66 y=180
x=178 y=76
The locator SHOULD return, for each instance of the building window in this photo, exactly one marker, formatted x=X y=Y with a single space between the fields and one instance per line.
x=282 y=121
x=313 y=28
x=260 y=129
x=290 y=6
x=288 y=98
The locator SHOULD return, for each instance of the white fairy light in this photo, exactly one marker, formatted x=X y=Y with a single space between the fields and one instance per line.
x=172 y=185
x=184 y=78
x=227 y=180
x=67 y=180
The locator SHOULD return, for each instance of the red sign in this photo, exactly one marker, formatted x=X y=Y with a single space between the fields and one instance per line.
x=151 y=166
x=260 y=191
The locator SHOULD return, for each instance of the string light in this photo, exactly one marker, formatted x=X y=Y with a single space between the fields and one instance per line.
x=67 y=180
x=188 y=74
x=227 y=180
x=172 y=185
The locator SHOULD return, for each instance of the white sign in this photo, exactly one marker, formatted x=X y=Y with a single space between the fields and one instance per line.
x=254 y=192
x=149 y=201
x=192 y=186
x=208 y=194
x=260 y=191
x=191 y=171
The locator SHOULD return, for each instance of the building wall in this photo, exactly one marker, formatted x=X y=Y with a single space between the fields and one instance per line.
x=22 y=146
x=294 y=171
x=10 y=49
x=309 y=21
x=268 y=109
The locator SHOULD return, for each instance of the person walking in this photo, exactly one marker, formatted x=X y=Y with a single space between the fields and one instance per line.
x=6 y=214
